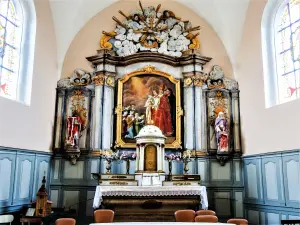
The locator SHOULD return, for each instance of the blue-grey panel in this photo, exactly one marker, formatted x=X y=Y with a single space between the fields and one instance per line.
x=202 y=169
x=238 y=204
x=220 y=173
x=251 y=180
x=222 y=203
x=291 y=175
x=253 y=217
x=273 y=218
x=7 y=173
x=272 y=180
x=25 y=168
x=42 y=169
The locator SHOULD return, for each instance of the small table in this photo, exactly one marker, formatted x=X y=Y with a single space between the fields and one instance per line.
x=31 y=220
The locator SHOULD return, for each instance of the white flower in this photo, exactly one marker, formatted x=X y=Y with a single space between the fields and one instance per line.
x=118 y=44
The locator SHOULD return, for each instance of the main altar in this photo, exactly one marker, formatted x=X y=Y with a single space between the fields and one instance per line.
x=145 y=114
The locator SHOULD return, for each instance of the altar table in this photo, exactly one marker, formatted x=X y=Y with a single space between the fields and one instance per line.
x=150 y=191
x=149 y=203
x=159 y=223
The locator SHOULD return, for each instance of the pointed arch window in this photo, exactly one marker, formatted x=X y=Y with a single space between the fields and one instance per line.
x=287 y=50
x=17 y=38
x=281 y=51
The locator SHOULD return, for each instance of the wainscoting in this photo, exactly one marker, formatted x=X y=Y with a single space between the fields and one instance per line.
x=72 y=186
x=272 y=187
x=21 y=174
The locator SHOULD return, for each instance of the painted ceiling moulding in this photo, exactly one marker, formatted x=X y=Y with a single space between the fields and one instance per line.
x=71 y=16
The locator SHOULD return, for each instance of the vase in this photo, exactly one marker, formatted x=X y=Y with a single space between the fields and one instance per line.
x=186 y=167
x=108 y=166
x=127 y=166
x=170 y=170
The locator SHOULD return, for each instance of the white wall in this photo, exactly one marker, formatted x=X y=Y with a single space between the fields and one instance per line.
x=30 y=127
x=263 y=130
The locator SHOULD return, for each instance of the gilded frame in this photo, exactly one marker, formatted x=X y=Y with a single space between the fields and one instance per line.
x=148 y=70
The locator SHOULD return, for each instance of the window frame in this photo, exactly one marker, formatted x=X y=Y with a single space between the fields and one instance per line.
x=27 y=47
x=270 y=18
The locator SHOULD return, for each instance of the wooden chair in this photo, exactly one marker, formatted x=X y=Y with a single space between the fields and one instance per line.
x=186 y=215
x=238 y=221
x=6 y=218
x=207 y=219
x=205 y=212
x=104 y=216
x=290 y=222
x=65 y=221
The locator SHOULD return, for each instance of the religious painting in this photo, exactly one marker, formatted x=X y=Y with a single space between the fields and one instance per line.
x=148 y=97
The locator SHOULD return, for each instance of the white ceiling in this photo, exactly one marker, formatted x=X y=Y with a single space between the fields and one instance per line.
x=225 y=16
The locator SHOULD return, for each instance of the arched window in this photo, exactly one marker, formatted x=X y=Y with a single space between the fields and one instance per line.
x=17 y=37
x=281 y=51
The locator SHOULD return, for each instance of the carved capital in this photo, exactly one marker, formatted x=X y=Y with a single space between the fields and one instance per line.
x=110 y=81
x=99 y=80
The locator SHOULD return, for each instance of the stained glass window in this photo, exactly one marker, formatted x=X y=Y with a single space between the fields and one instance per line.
x=287 y=39
x=11 y=21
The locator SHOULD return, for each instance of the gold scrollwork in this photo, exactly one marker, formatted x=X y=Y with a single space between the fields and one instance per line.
x=99 y=80
x=149 y=69
x=188 y=81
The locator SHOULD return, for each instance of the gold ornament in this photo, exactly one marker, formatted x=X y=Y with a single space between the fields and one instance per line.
x=110 y=81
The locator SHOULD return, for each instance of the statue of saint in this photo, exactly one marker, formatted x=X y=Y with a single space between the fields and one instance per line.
x=74 y=127
x=222 y=131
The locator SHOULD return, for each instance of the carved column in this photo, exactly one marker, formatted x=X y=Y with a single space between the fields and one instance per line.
x=108 y=108
x=189 y=109
x=200 y=112
x=97 y=114
x=236 y=121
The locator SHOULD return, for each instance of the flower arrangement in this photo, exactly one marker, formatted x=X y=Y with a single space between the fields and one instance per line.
x=110 y=155
x=128 y=155
x=172 y=156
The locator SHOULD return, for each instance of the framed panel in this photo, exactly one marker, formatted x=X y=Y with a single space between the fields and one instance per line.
x=291 y=171
x=253 y=182
x=148 y=96
x=7 y=174
x=24 y=178
x=272 y=180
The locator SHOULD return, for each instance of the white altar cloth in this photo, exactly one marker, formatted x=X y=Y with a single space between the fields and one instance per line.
x=150 y=191
x=159 y=223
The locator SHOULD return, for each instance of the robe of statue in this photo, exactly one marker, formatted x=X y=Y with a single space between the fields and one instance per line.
x=163 y=118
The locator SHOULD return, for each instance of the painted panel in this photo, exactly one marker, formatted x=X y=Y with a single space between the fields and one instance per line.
x=222 y=203
x=251 y=177
x=56 y=169
x=43 y=171
x=273 y=218
x=239 y=207
x=262 y=218
x=89 y=203
x=70 y=199
x=237 y=171
x=5 y=177
x=202 y=170
x=54 y=198
x=219 y=172
x=271 y=181
x=25 y=174
x=291 y=217
x=293 y=182
x=73 y=171
x=253 y=217
x=94 y=167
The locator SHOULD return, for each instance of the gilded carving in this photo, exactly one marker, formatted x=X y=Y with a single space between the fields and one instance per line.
x=99 y=80
x=110 y=81
x=151 y=29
